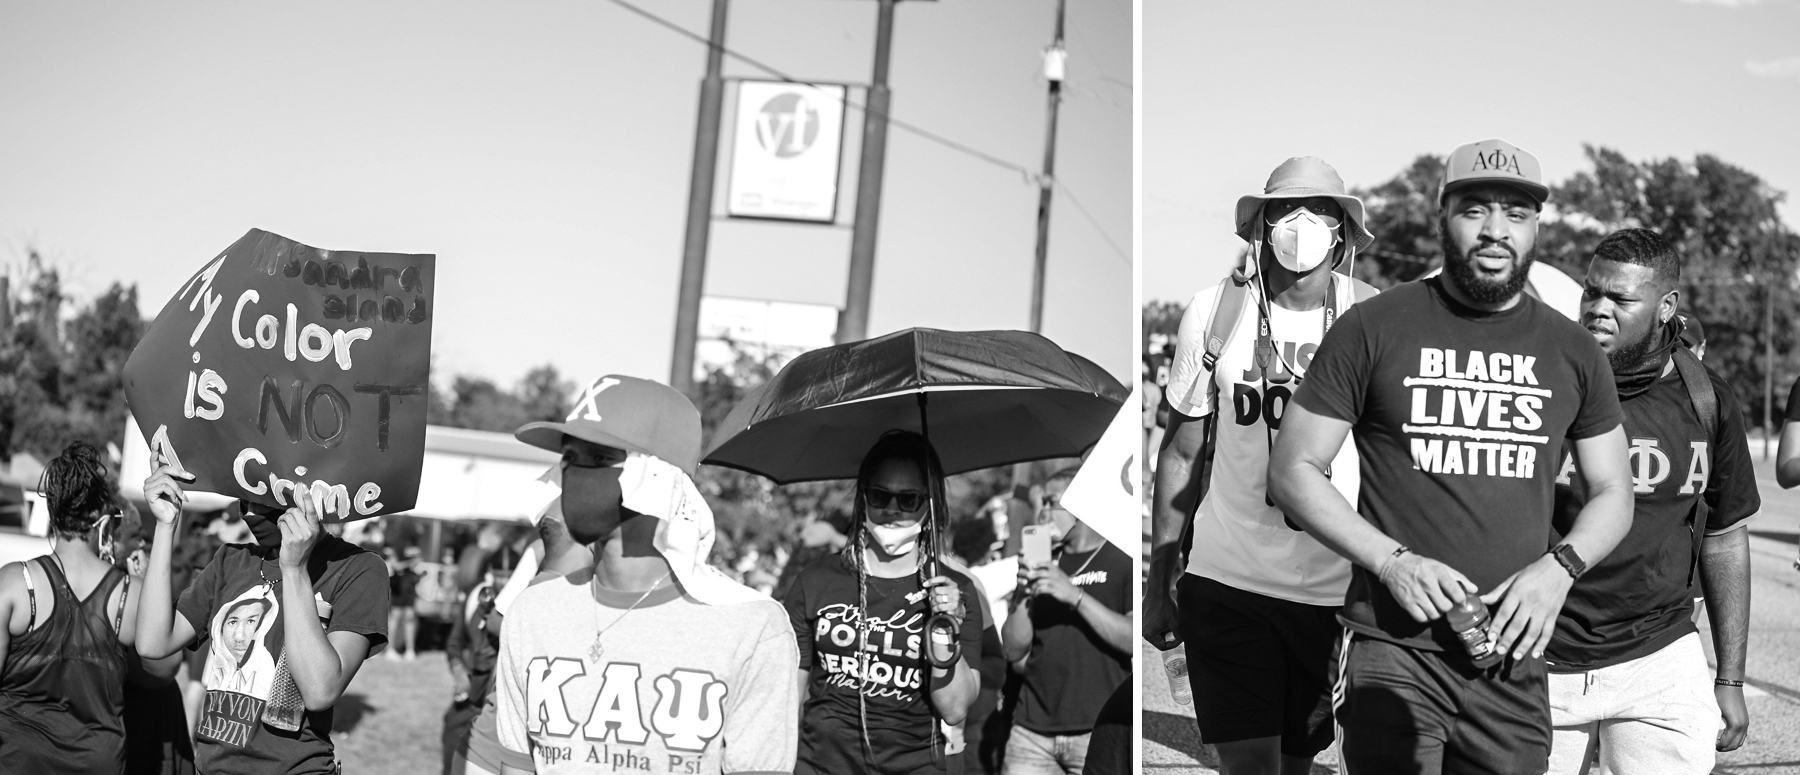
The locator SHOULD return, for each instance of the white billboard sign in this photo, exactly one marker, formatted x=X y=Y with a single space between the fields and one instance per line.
x=785 y=151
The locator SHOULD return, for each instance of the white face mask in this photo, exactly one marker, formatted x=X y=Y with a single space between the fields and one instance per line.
x=896 y=541
x=1301 y=240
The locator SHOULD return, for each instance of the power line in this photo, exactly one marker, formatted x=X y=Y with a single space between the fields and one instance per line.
x=785 y=78
x=1028 y=175
x=1075 y=200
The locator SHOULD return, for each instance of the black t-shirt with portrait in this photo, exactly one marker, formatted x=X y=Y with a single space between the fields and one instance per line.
x=1640 y=597
x=1460 y=417
x=823 y=606
x=253 y=719
x=1071 y=670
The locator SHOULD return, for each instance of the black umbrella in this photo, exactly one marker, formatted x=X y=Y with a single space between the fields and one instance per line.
x=981 y=398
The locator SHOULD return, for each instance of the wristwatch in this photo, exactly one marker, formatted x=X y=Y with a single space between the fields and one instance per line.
x=1571 y=561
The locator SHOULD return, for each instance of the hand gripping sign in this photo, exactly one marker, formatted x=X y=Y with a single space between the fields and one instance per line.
x=281 y=370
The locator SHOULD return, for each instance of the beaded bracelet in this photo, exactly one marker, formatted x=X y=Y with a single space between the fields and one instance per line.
x=1727 y=682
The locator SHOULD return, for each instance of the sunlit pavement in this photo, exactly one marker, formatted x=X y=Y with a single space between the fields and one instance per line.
x=1772 y=691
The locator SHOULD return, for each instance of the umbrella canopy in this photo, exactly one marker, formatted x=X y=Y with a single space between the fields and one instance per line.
x=984 y=398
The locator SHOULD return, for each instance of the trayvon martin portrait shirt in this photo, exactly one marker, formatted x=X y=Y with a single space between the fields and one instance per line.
x=1460 y=417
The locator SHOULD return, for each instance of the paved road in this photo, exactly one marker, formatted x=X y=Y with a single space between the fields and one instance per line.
x=1172 y=743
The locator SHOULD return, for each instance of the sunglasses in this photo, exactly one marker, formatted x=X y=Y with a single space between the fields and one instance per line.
x=1279 y=209
x=905 y=500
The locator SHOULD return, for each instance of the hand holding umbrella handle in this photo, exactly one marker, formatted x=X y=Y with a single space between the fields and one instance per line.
x=943 y=628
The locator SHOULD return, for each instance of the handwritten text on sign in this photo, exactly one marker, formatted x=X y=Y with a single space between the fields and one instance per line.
x=281 y=369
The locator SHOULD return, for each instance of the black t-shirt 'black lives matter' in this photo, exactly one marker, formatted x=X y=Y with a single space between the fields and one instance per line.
x=893 y=675
x=1460 y=418
x=1071 y=671
x=1640 y=598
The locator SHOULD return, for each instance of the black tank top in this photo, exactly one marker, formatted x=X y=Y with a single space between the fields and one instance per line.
x=62 y=689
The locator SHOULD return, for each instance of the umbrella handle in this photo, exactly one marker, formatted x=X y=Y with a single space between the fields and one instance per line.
x=945 y=625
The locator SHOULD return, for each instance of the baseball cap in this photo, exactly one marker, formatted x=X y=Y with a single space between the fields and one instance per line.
x=628 y=413
x=1494 y=161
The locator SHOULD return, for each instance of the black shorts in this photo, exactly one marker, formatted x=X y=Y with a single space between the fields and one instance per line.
x=1260 y=666
x=1406 y=710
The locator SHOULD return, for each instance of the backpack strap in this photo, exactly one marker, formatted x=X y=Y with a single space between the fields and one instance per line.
x=1227 y=313
x=1706 y=405
x=1700 y=392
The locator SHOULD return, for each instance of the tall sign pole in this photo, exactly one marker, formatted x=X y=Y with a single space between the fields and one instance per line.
x=1054 y=61
x=699 y=214
x=853 y=325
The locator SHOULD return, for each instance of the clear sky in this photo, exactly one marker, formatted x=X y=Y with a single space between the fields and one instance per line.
x=1231 y=89
x=542 y=151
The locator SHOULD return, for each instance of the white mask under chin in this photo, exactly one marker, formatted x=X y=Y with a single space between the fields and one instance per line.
x=1301 y=240
x=896 y=541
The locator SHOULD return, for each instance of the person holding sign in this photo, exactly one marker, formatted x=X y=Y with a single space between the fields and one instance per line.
x=66 y=630
x=288 y=621
x=650 y=660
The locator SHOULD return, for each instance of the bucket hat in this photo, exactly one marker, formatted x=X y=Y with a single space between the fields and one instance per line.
x=1494 y=161
x=629 y=413
x=1299 y=178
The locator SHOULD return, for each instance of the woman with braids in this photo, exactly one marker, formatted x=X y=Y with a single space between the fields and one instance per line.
x=882 y=692
x=66 y=632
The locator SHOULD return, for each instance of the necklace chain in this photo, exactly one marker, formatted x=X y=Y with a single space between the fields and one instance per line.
x=597 y=651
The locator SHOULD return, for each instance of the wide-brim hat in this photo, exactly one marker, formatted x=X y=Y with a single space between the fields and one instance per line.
x=628 y=413
x=1299 y=178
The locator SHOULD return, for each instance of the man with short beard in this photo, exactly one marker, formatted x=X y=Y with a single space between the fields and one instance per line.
x=1464 y=394
x=650 y=660
x=1628 y=679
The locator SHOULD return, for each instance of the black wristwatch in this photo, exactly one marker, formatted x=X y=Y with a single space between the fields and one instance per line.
x=1571 y=561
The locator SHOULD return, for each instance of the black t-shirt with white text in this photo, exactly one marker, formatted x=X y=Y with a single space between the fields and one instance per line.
x=1460 y=417
x=253 y=718
x=1071 y=671
x=893 y=677
x=1639 y=598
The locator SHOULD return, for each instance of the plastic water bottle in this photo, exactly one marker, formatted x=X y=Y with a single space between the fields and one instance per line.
x=1175 y=662
x=1469 y=619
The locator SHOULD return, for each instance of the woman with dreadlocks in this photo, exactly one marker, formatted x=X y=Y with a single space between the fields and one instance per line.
x=885 y=684
x=66 y=630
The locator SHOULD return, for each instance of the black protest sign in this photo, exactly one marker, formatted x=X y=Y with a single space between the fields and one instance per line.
x=280 y=368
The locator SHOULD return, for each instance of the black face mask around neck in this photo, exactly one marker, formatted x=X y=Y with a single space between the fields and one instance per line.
x=1634 y=379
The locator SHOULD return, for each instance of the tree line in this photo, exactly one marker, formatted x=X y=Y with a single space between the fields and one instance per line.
x=1739 y=260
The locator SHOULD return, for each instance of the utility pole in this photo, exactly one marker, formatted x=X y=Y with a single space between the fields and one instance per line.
x=1054 y=60
x=853 y=324
x=699 y=214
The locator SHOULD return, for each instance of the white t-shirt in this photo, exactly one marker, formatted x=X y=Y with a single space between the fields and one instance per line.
x=1240 y=540
x=681 y=686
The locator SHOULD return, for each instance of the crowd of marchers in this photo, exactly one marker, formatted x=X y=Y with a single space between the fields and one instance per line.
x=611 y=645
x=1461 y=525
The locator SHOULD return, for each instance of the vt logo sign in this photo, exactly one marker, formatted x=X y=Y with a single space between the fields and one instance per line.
x=787 y=125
